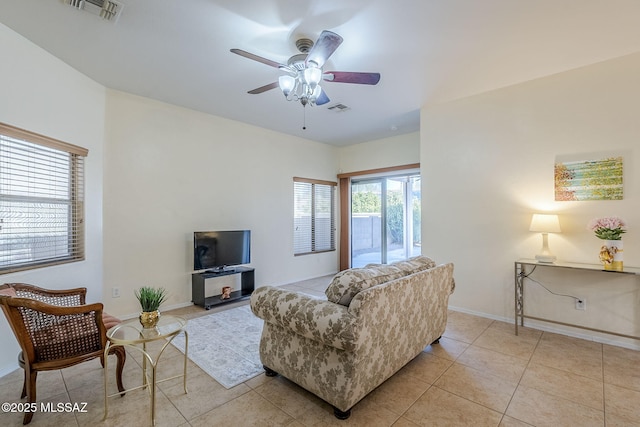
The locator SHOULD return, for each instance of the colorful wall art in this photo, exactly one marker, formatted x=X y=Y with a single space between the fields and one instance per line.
x=589 y=179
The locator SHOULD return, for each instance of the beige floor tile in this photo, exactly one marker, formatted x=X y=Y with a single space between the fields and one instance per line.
x=512 y=422
x=523 y=331
x=16 y=375
x=465 y=327
x=622 y=403
x=507 y=342
x=426 y=367
x=399 y=392
x=403 y=422
x=250 y=409
x=570 y=354
x=131 y=410
x=440 y=408
x=566 y=385
x=47 y=413
x=11 y=387
x=447 y=348
x=295 y=401
x=502 y=365
x=621 y=367
x=478 y=386
x=204 y=394
x=366 y=413
x=541 y=409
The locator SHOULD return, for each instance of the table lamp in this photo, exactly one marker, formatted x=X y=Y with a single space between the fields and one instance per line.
x=545 y=224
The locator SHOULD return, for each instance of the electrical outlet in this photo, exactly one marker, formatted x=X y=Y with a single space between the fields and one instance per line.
x=581 y=304
x=115 y=292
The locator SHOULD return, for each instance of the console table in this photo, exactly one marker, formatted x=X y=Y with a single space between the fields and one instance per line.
x=198 y=293
x=521 y=274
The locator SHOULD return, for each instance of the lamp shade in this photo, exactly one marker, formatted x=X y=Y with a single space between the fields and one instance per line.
x=545 y=223
x=312 y=76
x=286 y=84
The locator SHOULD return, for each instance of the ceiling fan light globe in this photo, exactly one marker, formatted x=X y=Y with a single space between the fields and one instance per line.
x=312 y=76
x=316 y=93
x=286 y=83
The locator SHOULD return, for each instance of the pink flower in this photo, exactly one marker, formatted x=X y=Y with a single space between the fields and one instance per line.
x=608 y=228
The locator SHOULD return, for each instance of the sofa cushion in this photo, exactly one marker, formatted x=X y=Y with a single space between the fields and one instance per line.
x=109 y=320
x=346 y=284
x=10 y=292
x=415 y=264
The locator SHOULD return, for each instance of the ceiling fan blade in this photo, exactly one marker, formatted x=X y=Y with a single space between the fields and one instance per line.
x=263 y=88
x=350 y=77
x=323 y=48
x=257 y=58
x=322 y=99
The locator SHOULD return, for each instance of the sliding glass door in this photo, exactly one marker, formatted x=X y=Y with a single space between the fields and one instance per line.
x=385 y=219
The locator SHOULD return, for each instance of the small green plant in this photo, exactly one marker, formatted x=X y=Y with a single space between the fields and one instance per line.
x=150 y=298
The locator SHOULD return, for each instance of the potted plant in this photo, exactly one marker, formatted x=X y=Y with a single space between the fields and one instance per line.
x=150 y=300
x=610 y=229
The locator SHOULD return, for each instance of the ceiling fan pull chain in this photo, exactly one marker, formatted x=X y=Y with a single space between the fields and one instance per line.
x=304 y=117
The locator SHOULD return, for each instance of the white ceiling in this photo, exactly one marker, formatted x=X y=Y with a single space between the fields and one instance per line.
x=427 y=51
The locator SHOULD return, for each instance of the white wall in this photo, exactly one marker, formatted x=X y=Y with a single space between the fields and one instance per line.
x=170 y=171
x=487 y=165
x=42 y=94
x=394 y=151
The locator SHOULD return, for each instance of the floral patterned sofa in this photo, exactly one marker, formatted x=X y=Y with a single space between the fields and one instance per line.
x=374 y=321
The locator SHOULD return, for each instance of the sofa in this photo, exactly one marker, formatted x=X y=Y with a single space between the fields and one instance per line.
x=373 y=322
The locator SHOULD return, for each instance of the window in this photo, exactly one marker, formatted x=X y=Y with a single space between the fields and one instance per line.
x=314 y=223
x=41 y=200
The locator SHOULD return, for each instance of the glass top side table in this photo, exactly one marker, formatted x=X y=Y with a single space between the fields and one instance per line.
x=130 y=333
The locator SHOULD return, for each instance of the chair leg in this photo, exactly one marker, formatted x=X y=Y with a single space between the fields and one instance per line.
x=437 y=341
x=121 y=354
x=24 y=384
x=31 y=393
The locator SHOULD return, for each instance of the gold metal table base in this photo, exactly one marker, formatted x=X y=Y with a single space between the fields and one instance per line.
x=130 y=334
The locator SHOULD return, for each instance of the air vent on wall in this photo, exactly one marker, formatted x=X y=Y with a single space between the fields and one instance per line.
x=338 y=108
x=108 y=10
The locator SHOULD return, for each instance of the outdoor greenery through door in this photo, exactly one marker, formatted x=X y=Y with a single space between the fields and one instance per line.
x=385 y=219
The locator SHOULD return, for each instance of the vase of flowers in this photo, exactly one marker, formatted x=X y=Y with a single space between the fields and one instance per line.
x=150 y=300
x=610 y=229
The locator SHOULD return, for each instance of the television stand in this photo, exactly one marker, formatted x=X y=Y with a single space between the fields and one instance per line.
x=221 y=270
x=198 y=293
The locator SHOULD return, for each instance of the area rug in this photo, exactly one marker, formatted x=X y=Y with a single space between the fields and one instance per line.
x=225 y=345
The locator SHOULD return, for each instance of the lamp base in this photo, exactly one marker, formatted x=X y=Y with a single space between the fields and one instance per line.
x=546 y=258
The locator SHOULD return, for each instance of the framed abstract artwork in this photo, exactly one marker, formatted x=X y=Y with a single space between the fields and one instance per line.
x=588 y=179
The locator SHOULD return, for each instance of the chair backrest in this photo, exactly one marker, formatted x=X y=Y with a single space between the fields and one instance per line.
x=52 y=325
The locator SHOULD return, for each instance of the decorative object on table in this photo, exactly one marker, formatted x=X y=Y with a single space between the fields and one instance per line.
x=150 y=300
x=597 y=179
x=545 y=224
x=610 y=229
x=226 y=292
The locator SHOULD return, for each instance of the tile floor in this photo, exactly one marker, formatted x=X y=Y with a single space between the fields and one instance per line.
x=480 y=374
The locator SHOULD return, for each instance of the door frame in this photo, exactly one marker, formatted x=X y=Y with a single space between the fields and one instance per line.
x=345 y=206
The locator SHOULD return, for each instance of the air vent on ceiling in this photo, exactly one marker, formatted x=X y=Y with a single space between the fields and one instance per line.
x=108 y=10
x=338 y=108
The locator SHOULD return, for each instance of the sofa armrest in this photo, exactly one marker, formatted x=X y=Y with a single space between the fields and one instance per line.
x=319 y=320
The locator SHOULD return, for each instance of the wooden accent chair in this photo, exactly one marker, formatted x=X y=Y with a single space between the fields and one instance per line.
x=55 y=330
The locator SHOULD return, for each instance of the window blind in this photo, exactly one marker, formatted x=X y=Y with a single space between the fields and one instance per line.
x=41 y=201
x=314 y=216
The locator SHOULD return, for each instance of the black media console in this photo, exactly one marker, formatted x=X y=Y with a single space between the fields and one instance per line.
x=247 y=279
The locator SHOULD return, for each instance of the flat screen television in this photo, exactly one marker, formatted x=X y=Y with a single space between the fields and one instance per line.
x=216 y=250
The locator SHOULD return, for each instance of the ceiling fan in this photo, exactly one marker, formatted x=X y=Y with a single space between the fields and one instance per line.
x=304 y=71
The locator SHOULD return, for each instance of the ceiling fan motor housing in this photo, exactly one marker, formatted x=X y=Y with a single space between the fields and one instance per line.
x=304 y=45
